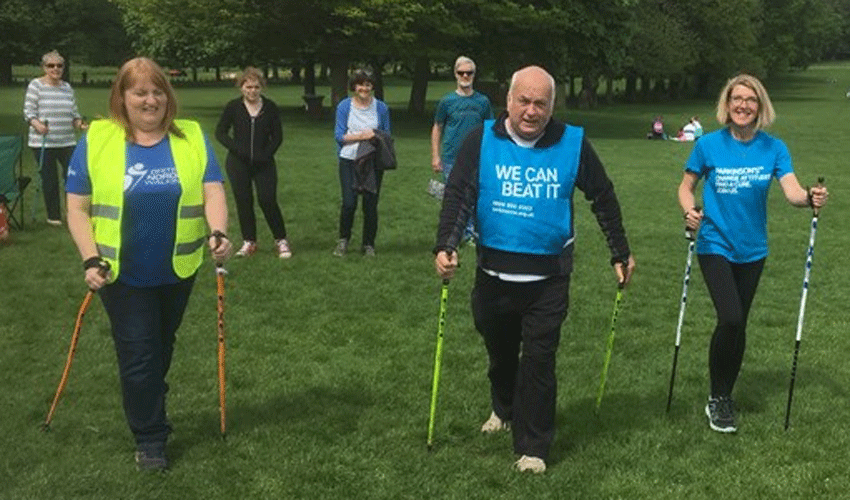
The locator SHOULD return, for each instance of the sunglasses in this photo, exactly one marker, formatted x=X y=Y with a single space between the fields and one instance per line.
x=465 y=73
x=54 y=65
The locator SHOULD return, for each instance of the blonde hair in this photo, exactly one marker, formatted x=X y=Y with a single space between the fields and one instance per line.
x=766 y=115
x=251 y=73
x=132 y=72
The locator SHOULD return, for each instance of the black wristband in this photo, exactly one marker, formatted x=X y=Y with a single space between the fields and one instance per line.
x=218 y=234
x=93 y=262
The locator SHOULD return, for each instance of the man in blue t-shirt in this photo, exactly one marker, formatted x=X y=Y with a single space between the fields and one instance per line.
x=457 y=113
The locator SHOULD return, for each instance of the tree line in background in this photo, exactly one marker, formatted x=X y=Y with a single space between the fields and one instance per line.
x=660 y=48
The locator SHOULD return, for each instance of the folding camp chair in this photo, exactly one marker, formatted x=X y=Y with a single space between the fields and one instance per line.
x=12 y=179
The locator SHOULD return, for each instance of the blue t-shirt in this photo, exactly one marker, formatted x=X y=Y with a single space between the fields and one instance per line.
x=737 y=179
x=151 y=196
x=458 y=115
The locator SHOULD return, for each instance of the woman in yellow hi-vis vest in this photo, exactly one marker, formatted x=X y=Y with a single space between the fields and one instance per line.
x=145 y=195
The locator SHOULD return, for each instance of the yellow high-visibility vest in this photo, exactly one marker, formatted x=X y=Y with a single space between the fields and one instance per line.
x=107 y=163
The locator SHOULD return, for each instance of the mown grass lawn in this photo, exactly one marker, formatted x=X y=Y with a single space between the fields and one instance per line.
x=330 y=360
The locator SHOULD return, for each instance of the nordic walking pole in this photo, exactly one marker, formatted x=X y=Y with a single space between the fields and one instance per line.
x=609 y=348
x=438 y=359
x=75 y=337
x=220 y=271
x=690 y=236
x=809 y=255
x=40 y=169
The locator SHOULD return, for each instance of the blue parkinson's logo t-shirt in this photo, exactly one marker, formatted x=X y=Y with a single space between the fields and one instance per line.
x=737 y=179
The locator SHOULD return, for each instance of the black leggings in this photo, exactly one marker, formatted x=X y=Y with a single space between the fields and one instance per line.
x=732 y=288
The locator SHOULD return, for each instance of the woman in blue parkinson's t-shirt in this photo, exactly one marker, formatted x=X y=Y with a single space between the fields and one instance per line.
x=738 y=164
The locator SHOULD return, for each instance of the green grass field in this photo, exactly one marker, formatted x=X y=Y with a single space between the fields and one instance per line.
x=330 y=361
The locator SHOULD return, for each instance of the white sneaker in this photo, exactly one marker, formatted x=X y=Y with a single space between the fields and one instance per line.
x=530 y=464
x=247 y=250
x=495 y=424
x=283 y=250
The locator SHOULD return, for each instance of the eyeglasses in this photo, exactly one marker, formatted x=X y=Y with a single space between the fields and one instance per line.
x=54 y=65
x=465 y=73
x=738 y=100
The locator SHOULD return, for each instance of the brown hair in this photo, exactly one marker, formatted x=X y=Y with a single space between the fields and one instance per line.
x=251 y=73
x=766 y=114
x=360 y=77
x=131 y=73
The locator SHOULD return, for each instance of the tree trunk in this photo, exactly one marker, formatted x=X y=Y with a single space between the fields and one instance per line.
x=309 y=76
x=5 y=69
x=378 y=79
x=587 y=98
x=631 y=88
x=419 y=87
x=339 y=79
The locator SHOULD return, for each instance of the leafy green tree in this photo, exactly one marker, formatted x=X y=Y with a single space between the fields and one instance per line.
x=18 y=37
x=795 y=33
x=184 y=32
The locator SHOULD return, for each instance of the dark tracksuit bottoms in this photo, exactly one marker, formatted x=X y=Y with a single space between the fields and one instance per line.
x=521 y=327
x=264 y=177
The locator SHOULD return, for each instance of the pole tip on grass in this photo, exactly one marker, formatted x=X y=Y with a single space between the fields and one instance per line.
x=44 y=427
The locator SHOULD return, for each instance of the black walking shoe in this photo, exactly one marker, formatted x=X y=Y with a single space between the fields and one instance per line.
x=721 y=414
x=151 y=457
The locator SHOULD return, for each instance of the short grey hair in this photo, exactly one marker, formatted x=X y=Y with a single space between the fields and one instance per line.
x=464 y=60
x=53 y=54
x=551 y=83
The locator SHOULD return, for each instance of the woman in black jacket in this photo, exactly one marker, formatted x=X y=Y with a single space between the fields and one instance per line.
x=255 y=122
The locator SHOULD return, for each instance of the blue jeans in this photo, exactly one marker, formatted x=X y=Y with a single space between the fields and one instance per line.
x=144 y=322
x=349 y=204
x=469 y=234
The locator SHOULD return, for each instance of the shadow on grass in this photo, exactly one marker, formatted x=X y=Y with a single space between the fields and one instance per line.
x=321 y=414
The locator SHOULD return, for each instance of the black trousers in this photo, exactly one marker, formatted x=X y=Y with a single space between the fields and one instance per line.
x=521 y=327
x=53 y=157
x=144 y=323
x=264 y=178
x=732 y=288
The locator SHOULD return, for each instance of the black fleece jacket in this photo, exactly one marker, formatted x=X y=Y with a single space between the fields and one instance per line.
x=461 y=196
x=254 y=140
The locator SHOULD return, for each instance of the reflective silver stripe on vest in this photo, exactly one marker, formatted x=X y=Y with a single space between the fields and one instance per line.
x=191 y=211
x=107 y=251
x=187 y=248
x=105 y=211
